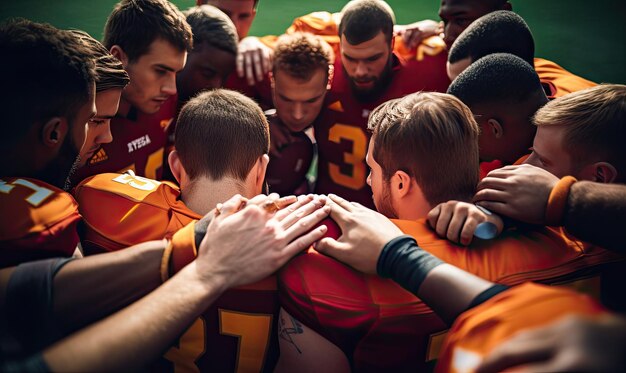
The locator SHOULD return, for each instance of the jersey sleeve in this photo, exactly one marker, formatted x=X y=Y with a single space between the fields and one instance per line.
x=477 y=331
x=38 y=221
x=322 y=24
x=121 y=210
x=560 y=80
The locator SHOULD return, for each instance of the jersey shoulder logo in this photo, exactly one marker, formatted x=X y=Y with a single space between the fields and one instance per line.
x=99 y=157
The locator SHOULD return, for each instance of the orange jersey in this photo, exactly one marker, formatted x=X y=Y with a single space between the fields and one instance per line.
x=479 y=330
x=120 y=210
x=38 y=221
x=238 y=331
x=379 y=325
x=557 y=81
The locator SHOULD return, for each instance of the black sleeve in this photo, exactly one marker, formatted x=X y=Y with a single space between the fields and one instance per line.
x=29 y=303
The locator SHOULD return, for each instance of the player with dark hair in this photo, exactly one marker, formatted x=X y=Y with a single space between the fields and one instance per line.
x=51 y=81
x=151 y=39
x=503 y=92
x=496 y=32
x=366 y=323
x=302 y=74
x=214 y=50
x=506 y=32
x=111 y=78
x=368 y=72
x=210 y=166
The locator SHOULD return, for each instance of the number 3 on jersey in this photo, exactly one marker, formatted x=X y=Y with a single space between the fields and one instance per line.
x=354 y=158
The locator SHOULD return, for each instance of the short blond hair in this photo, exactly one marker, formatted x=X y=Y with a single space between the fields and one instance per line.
x=595 y=124
x=431 y=136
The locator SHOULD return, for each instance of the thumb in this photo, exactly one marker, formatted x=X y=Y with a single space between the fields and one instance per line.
x=329 y=246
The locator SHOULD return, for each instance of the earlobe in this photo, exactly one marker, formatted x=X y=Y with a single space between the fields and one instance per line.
x=119 y=53
x=495 y=127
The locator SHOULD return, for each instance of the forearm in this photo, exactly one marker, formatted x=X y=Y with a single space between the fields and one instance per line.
x=448 y=290
x=88 y=289
x=595 y=213
x=135 y=335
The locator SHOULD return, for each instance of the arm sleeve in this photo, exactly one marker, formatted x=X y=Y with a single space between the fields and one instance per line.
x=32 y=364
x=29 y=303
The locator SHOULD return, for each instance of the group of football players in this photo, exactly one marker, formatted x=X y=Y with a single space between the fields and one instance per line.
x=444 y=176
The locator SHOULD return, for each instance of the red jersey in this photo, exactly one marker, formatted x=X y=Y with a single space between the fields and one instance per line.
x=238 y=331
x=477 y=331
x=381 y=326
x=38 y=221
x=557 y=81
x=286 y=173
x=341 y=129
x=138 y=144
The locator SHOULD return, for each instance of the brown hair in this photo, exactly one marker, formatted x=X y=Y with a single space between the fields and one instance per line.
x=362 y=20
x=110 y=72
x=300 y=54
x=595 y=124
x=135 y=24
x=433 y=137
x=48 y=67
x=221 y=133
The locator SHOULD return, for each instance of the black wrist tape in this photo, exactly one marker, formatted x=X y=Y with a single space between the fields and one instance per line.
x=406 y=263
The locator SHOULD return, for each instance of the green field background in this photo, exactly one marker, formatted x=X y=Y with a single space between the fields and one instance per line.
x=586 y=37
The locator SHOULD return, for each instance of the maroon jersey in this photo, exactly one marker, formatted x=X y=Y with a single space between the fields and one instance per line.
x=341 y=129
x=236 y=334
x=286 y=173
x=38 y=221
x=139 y=142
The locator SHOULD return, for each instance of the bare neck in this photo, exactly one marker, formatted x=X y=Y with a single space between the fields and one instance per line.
x=202 y=194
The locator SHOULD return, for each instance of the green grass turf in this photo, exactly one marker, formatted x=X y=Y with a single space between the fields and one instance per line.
x=588 y=38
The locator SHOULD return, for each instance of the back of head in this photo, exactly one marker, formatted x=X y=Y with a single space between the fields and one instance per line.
x=48 y=73
x=300 y=54
x=431 y=136
x=362 y=20
x=212 y=26
x=110 y=72
x=496 y=78
x=221 y=133
x=135 y=24
x=501 y=31
x=595 y=125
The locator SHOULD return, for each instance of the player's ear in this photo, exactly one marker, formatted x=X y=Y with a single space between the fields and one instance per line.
x=401 y=184
x=600 y=172
x=177 y=168
x=331 y=75
x=119 y=53
x=54 y=131
x=262 y=163
x=495 y=127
